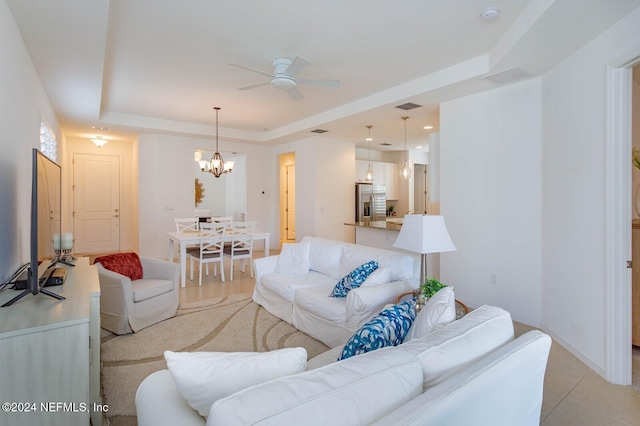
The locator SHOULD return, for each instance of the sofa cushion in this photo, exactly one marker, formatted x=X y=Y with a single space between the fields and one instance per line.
x=379 y=276
x=439 y=311
x=204 y=377
x=285 y=285
x=293 y=258
x=353 y=279
x=147 y=288
x=315 y=301
x=337 y=394
x=325 y=256
x=388 y=328
x=446 y=351
x=127 y=264
x=401 y=264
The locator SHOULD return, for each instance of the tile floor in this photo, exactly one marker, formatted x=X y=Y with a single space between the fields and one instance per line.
x=573 y=393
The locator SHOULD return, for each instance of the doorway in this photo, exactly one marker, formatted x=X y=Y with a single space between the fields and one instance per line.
x=421 y=189
x=96 y=203
x=288 y=197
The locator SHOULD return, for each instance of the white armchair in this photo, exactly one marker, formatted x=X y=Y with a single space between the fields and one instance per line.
x=128 y=305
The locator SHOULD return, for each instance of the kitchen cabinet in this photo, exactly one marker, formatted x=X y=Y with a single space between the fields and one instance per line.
x=391 y=180
x=383 y=174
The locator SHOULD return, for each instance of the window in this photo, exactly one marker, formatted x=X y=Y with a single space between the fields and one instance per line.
x=48 y=142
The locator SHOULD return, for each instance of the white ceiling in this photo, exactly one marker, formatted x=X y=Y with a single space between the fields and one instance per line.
x=160 y=66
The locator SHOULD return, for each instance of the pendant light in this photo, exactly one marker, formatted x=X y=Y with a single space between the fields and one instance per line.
x=369 y=176
x=216 y=166
x=406 y=171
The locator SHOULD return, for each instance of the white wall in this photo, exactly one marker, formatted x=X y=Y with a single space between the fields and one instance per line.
x=166 y=177
x=325 y=191
x=635 y=135
x=573 y=283
x=490 y=195
x=23 y=103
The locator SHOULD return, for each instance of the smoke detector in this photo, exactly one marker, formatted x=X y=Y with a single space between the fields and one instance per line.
x=490 y=14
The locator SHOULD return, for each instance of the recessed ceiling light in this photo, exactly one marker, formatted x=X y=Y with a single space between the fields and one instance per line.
x=490 y=14
x=418 y=147
x=99 y=128
x=428 y=127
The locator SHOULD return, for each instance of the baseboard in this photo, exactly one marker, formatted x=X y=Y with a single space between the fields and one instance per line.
x=574 y=351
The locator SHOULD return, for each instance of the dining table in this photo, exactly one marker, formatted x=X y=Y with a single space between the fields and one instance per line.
x=186 y=238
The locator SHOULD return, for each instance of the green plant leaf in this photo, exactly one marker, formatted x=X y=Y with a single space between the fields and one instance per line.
x=431 y=286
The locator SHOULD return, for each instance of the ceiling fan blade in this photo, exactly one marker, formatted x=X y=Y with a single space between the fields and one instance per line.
x=298 y=64
x=253 y=86
x=295 y=94
x=251 y=69
x=321 y=83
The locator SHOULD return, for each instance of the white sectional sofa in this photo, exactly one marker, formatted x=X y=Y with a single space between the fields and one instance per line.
x=303 y=299
x=471 y=372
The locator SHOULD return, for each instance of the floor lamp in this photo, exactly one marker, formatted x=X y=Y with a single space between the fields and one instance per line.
x=423 y=233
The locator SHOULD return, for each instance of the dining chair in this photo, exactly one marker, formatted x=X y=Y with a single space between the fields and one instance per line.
x=210 y=249
x=221 y=218
x=241 y=246
x=186 y=224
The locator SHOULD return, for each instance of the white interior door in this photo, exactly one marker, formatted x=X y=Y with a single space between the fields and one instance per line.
x=96 y=203
x=421 y=189
x=291 y=202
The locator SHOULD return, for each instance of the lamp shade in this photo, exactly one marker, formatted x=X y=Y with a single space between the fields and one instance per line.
x=423 y=233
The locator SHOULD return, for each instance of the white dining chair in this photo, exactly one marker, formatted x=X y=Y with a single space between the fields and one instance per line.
x=221 y=218
x=186 y=224
x=241 y=246
x=210 y=249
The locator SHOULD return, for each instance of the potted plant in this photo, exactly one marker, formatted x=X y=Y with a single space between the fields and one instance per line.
x=430 y=287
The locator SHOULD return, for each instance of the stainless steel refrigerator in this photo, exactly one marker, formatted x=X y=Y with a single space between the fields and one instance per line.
x=371 y=202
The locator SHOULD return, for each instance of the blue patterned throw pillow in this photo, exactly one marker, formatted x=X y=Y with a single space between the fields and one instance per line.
x=353 y=279
x=388 y=328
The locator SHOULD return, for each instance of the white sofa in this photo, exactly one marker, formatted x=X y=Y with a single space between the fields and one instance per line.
x=470 y=372
x=303 y=300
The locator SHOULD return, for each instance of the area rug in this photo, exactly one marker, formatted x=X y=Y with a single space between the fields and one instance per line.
x=224 y=324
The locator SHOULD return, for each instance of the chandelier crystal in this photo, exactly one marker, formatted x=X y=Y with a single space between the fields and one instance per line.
x=216 y=165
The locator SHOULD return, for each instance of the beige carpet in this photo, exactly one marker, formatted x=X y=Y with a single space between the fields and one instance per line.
x=223 y=324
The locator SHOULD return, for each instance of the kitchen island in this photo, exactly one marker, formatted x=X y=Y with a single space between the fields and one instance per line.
x=379 y=233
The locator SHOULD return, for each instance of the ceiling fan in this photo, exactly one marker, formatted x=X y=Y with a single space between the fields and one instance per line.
x=284 y=75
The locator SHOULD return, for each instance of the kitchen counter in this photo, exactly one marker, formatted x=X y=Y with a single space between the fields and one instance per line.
x=389 y=225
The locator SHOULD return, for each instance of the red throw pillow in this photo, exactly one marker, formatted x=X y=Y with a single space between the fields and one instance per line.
x=127 y=264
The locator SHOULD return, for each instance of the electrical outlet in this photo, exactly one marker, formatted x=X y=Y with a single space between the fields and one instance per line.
x=493 y=279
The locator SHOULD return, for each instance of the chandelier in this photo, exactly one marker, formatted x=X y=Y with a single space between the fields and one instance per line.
x=216 y=165
x=369 y=176
x=406 y=171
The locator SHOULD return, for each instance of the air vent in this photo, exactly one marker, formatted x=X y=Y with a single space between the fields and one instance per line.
x=385 y=144
x=319 y=131
x=506 y=76
x=408 y=106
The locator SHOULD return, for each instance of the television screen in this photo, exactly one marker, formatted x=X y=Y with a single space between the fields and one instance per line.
x=46 y=227
x=46 y=203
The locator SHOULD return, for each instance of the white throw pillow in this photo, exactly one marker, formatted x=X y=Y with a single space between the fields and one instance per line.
x=293 y=258
x=439 y=311
x=205 y=377
x=446 y=351
x=379 y=276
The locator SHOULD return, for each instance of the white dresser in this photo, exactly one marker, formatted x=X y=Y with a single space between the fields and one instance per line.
x=50 y=353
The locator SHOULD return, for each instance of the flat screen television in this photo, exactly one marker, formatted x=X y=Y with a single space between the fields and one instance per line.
x=45 y=223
